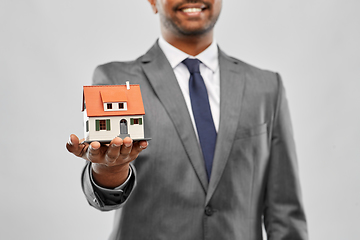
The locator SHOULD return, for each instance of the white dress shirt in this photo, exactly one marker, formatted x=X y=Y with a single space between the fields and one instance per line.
x=209 y=69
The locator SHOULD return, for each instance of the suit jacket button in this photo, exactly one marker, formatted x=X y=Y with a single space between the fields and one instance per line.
x=208 y=211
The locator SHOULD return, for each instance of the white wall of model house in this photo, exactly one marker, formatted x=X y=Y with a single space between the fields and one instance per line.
x=134 y=126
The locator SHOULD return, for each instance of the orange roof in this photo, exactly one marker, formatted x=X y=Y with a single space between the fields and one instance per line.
x=95 y=97
x=113 y=95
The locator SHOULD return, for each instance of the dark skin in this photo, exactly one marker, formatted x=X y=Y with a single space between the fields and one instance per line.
x=188 y=26
x=190 y=31
x=110 y=162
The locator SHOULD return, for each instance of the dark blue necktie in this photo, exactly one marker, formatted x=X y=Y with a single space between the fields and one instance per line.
x=202 y=113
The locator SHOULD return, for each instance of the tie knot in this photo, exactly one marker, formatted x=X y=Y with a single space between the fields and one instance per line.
x=192 y=64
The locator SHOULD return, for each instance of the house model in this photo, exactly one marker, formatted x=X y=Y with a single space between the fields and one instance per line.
x=111 y=111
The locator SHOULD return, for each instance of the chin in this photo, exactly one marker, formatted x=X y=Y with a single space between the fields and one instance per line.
x=195 y=31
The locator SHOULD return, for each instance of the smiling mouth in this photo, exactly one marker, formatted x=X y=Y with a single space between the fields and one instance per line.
x=191 y=10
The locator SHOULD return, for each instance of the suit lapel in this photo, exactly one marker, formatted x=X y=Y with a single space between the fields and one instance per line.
x=232 y=85
x=163 y=80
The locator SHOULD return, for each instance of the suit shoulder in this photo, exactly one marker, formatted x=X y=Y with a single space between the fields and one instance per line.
x=124 y=66
x=258 y=77
x=112 y=72
x=256 y=71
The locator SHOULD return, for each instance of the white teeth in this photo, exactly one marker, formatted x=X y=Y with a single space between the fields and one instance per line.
x=191 y=10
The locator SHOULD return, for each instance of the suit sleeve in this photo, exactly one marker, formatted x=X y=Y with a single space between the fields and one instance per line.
x=109 y=199
x=284 y=215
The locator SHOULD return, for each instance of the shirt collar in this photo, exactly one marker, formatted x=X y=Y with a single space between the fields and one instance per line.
x=209 y=57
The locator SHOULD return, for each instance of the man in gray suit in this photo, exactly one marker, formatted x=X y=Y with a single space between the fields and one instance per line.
x=172 y=190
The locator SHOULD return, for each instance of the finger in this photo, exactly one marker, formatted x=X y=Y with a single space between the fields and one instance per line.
x=137 y=148
x=143 y=145
x=93 y=152
x=74 y=146
x=113 y=151
x=126 y=147
x=72 y=143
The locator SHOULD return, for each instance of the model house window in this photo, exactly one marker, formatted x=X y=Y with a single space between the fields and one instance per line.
x=135 y=121
x=115 y=106
x=87 y=126
x=102 y=125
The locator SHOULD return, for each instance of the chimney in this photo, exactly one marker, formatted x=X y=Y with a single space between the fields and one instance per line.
x=127 y=85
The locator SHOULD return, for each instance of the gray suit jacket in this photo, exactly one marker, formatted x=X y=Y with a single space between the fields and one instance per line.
x=255 y=174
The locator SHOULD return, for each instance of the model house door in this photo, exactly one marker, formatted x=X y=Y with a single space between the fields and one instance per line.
x=123 y=127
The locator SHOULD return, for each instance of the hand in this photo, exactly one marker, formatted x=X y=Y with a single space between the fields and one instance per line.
x=111 y=161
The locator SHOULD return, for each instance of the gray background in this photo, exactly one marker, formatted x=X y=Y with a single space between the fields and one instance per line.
x=48 y=50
